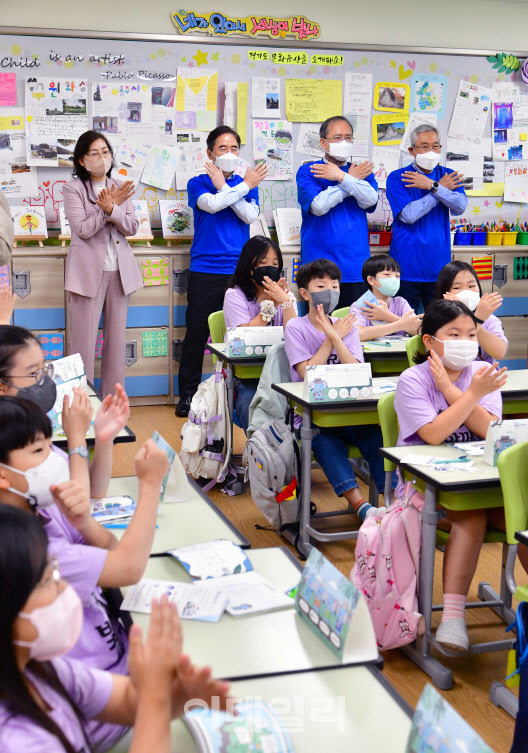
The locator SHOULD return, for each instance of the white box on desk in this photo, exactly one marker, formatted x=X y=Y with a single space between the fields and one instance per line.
x=337 y=382
x=252 y=341
x=504 y=434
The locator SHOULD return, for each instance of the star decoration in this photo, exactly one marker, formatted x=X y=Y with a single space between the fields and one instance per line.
x=215 y=56
x=476 y=210
x=184 y=60
x=200 y=57
x=486 y=203
x=393 y=64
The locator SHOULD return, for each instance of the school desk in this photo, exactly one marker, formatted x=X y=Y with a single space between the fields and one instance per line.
x=325 y=414
x=386 y=358
x=182 y=523
x=331 y=709
x=454 y=490
x=253 y=645
x=125 y=435
x=515 y=392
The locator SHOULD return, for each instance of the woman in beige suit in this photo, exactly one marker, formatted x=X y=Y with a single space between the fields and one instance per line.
x=101 y=271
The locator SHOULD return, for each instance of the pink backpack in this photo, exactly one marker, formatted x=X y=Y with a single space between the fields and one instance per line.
x=387 y=566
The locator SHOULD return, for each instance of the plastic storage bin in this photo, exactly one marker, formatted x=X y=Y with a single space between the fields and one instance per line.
x=463 y=239
x=494 y=239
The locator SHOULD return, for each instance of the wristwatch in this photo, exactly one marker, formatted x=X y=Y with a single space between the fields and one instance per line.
x=82 y=450
x=434 y=187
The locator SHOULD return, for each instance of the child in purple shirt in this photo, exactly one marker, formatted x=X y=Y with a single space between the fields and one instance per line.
x=390 y=314
x=32 y=479
x=450 y=397
x=257 y=278
x=318 y=338
x=458 y=281
x=46 y=700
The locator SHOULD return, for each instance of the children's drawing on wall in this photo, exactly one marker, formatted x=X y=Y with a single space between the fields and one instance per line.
x=28 y=222
x=272 y=144
x=176 y=219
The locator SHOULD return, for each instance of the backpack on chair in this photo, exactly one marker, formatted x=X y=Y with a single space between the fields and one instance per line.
x=206 y=439
x=387 y=566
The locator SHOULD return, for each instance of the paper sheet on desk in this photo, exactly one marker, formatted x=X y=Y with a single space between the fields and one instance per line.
x=249 y=593
x=193 y=602
x=438 y=464
x=471 y=448
x=212 y=559
x=380 y=388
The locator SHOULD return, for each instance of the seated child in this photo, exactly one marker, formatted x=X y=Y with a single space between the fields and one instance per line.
x=450 y=397
x=256 y=279
x=458 y=281
x=32 y=478
x=47 y=700
x=316 y=339
x=391 y=315
x=23 y=372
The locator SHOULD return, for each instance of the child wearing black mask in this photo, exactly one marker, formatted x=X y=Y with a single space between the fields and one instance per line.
x=257 y=297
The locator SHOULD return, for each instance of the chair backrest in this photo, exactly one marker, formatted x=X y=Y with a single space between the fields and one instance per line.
x=389 y=425
x=217 y=328
x=413 y=346
x=513 y=472
x=340 y=313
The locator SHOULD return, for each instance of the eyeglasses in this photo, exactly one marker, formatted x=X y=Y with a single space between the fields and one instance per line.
x=427 y=148
x=55 y=574
x=39 y=375
x=104 y=153
x=337 y=139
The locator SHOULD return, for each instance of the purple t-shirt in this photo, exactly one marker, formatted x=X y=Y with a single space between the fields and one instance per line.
x=418 y=402
x=238 y=310
x=302 y=341
x=89 y=689
x=397 y=306
x=494 y=325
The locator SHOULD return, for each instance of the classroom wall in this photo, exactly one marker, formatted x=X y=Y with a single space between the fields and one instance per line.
x=499 y=25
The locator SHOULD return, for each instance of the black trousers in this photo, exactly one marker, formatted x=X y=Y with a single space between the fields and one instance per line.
x=350 y=292
x=416 y=293
x=204 y=296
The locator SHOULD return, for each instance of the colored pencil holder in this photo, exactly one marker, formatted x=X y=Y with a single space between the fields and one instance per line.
x=522 y=238
x=493 y=239
x=463 y=239
x=478 y=237
x=509 y=238
x=380 y=237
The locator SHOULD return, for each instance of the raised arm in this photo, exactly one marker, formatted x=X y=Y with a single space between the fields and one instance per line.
x=81 y=224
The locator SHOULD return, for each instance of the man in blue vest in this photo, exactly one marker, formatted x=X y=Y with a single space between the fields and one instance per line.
x=224 y=206
x=334 y=196
x=421 y=196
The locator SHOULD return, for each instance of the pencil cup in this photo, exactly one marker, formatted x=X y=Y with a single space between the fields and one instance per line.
x=522 y=238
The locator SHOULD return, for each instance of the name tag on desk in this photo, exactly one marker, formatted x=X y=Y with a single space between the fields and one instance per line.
x=252 y=341
x=337 y=382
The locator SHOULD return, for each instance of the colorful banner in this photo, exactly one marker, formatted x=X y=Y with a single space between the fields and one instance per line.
x=251 y=26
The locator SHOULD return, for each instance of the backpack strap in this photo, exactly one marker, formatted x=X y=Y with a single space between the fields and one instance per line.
x=287 y=491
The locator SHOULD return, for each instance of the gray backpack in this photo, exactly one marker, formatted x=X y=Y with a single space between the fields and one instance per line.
x=273 y=461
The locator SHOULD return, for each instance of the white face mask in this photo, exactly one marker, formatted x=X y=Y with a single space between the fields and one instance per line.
x=469 y=298
x=58 y=626
x=54 y=470
x=458 y=353
x=340 y=150
x=427 y=161
x=227 y=162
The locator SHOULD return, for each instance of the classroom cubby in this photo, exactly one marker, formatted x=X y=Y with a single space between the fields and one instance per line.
x=40 y=280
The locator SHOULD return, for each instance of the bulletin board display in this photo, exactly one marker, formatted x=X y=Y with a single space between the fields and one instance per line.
x=154 y=99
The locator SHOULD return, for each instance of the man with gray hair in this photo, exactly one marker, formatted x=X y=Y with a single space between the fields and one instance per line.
x=421 y=196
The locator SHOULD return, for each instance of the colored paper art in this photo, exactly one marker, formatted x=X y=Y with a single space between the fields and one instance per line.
x=313 y=101
x=216 y=23
x=8 y=92
x=52 y=344
x=520 y=267
x=392 y=96
x=176 y=218
x=388 y=129
x=196 y=93
x=155 y=343
x=155 y=272
x=483 y=266
x=160 y=166
x=429 y=93
x=143 y=216
x=29 y=221
x=55 y=117
x=516 y=182
x=510 y=121
x=272 y=144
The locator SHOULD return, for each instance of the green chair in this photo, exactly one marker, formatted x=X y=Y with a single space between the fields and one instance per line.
x=217 y=330
x=413 y=346
x=389 y=430
x=340 y=313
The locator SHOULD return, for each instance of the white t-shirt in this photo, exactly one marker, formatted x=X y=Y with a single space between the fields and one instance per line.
x=110 y=262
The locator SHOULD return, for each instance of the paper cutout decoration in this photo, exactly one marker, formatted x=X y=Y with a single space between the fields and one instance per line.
x=520 y=267
x=99 y=345
x=52 y=344
x=392 y=96
x=483 y=266
x=196 y=93
x=8 y=92
x=388 y=129
x=155 y=343
x=4 y=275
x=29 y=221
x=155 y=272
x=504 y=62
x=176 y=218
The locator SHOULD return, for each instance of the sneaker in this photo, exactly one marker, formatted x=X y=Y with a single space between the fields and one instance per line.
x=453 y=635
x=184 y=406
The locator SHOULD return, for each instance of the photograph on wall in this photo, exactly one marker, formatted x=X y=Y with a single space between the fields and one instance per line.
x=388 y=130
x=392 y=96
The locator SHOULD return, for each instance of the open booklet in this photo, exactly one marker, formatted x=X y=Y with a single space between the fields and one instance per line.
x=212 y=559
x=109 y=509
x=254 y=727
x=175 y=486
x=68 y=373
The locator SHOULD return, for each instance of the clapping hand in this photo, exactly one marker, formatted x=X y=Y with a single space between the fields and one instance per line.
x=120 y=194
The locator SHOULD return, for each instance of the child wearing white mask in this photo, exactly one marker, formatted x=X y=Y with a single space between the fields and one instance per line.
x=380 y=311
x=458 y=281
x=49 y=702
x=449 y=397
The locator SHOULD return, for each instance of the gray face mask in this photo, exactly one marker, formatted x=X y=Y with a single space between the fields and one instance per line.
x=328 y=298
